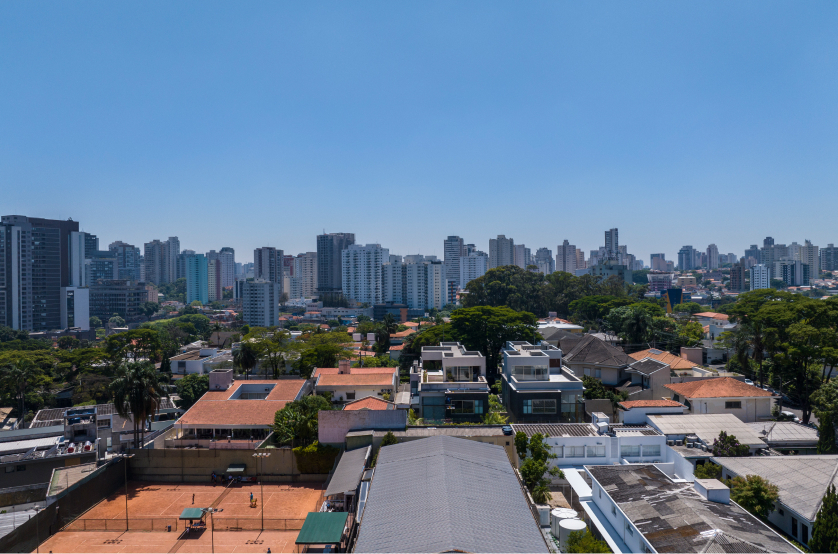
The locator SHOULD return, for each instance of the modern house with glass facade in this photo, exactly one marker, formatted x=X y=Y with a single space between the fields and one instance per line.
x=449 y=384
x=537 y=388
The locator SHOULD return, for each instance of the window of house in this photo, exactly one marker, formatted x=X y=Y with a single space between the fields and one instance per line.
x=613 y=510
x=651 y=450
x=804 y=533
x=10 y=469
x=350 y=396
x=575 y=451
x=629 y=450
x=20 y=468
x=465 y=406
x=599 y=374
x=733 y=405
x=588 y=371
x=629 y=528
x=794 y=527
x=781 y=511
x=539 y=406
x=558 y=451
x=596 y=452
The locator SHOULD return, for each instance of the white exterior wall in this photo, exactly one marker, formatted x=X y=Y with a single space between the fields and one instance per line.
x=260 y=303
x=760 y=277
x=391 y=282
x=753 y=409
x=473 y=266
x=81 y=307
x=561 y=447
x=618 y=520
x=361 y=272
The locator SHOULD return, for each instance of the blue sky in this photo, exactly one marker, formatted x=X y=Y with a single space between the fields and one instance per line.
x=263 y=123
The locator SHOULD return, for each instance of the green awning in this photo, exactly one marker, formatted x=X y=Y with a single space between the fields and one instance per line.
x=323 y=528
x=192 y=514
x=235 y=468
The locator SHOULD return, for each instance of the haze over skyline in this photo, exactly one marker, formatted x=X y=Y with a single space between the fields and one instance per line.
x=264 y=124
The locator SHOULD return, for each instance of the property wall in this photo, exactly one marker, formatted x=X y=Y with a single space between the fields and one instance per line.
x=180 y=465
x=334 y=424
x=38 y=471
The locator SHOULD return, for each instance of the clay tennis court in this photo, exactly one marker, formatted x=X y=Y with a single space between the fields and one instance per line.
x=153 y=508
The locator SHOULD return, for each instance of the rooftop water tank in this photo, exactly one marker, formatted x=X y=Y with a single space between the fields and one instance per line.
x=557 y=515
x=566 y=527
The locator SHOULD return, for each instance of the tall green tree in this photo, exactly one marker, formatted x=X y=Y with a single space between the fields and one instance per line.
x=190 y=389
x=826 y=434
x=19 y=377
x=246 y=357
x=825 y=529
x=509 y=286
x=755 y=494
x=137 y=394
x=535 y=469
x=296 y=423
x=727 y=446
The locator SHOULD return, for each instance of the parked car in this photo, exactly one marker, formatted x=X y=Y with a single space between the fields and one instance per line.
x=749 y=382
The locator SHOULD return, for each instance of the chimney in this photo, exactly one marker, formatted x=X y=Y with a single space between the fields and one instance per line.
x=344 y=367
x=713 y=490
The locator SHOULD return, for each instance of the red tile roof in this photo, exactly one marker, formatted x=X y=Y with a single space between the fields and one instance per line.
x=713 y=315
x=397 y=347
x=717 y=387
x=354 y=370
x=368 y=379
x=673 y=361
x=284 y=389
x=662 y=403
x=369 y=403
x=232 y=412
x=402 y=334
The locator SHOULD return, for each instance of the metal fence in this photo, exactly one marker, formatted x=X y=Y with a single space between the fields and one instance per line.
x=174 y=524
x=255 y=524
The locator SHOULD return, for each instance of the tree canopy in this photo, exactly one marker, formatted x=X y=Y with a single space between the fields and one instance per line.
x=755 y=494
x=825 y=528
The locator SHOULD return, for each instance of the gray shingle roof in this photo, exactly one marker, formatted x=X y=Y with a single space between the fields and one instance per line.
x=647 y=366
x=347 y=475
x=801 y=480
x=591 y=350
x=673 y=517
x=443 y=494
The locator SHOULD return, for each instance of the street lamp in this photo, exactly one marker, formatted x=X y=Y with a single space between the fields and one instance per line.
x=125 y=458
x=262 y=455
x=211 y=511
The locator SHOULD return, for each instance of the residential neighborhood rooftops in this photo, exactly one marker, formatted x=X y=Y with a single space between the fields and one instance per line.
x=713 y=315
x=786 y=433
x=674 y=517
x=707 y=427
x=647 y=366
x=283 y=389
x=227 y=408
x=673 y=361
x=591 y=350
x=557 y=429
x=802 y=480
x=662 y=403
x=369 y=403
x=356 y=379
x=464 y=496
x=354 y=371
x=717 y=387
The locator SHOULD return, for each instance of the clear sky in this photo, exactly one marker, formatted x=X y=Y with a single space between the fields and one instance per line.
x=252 y=124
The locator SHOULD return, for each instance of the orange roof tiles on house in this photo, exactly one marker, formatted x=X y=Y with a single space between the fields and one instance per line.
x=369 y=403
x=284 y=389
x=346 y=380
x=232 y=412
x=410 y=324
x=717 y=387
x=662 y=403
x=673 y=361
x=354 y=370
x=713 y=315
x=397 y=347
x=402 y=334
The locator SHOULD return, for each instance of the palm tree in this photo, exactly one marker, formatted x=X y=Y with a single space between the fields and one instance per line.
x=246 y=357
x=136 y=394
x=390 y=323
x=216 y=328
x=18 y=376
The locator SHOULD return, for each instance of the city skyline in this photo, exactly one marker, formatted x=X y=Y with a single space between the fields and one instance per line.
x=688 y=118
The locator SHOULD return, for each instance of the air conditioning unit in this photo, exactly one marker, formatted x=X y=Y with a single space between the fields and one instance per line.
x=679 y=443
x=704 y=447
x=690 y=444
x=670 y=443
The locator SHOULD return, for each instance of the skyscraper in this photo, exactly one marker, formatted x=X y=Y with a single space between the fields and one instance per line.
x=612 y=244
x=829 y=258
x=712 y=257
x=521 y=256
x=361 y=267
x=760 y=277
x=329 y=248
x=197 y=279
x=566 y=257
x=544 y=261
x=737 y=278
x=214 y=291
x=50 y=265
x=472 y=266
x=260 y=302
x=127 y=260
x=453 y=249
x=501 y=252
x=580 y=259
x=227 y=255
x=686 y=258
x=267 y=265
x=304 y=281
x=810 y=256
x=15 y=273
x=161 y=260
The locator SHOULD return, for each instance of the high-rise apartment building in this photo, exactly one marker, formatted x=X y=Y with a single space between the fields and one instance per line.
x=108 y=297
x=737 y=278
x=566 y=257
x=197 y=279
x=686 y=258
x=472 y=266
x=521 y=256
x=227 y=255
x=181 y=263
x=712 y=257
x=214 y=290
x=50 y=266
x=161 y=260
x=580 y=259
x=544 y=260
x=16 y=275
x=760 y=277
x=361 y=267
x=260 y=303
x=267 y=265
x=329 y=271
x=794 y=273
x=304 y=279
x=453 y=249
x=128 y=260
x=829 y=258
x=810 y=256
x=501 y=252
x=612 y=244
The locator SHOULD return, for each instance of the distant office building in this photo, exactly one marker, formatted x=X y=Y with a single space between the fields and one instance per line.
x=228 y=266
x=329 y=272
x=659 y=264
x=566 y=257
x=304 y=279
x=421 y=284
x=521 y=256
x=197 y=279
x=580 y=259
x=612 y=244
x=453 y=249
x=122 y=297
x=15 y=273
x=128 y=260
x=472 y=266
x=75 y=308
x=794 y=273
x=737 y=278
x=544 y=261
x=686 y=258
x=659 y=281
x=752 y=252
x=181 y=263
x=361 y=267
x=267 y=265
x=161 y=260
x=260 y=302
x=829 y=258
x=501 y=252
x=607 y=269
x=214 y=290
x=653 y=257
x=809 y=255
x=760 y=277
x=712 y=257
x=48 y=267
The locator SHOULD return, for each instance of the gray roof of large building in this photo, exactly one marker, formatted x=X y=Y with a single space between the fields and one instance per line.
x=450 y=431
x=557 y=429
x=443 y=494
x=591 y=350
x=802 y=480
x=674 y=517
x=348 y=473
x=785 y=432
x=707 y=427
